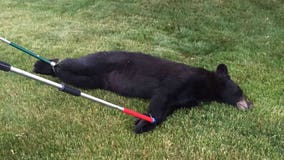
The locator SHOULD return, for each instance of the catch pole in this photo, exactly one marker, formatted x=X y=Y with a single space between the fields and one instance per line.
x=73 y=91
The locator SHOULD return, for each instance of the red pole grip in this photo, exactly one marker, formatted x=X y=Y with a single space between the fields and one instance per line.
x=139 y=115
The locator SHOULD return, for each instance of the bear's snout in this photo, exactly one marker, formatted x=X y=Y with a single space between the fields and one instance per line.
x=244 y=104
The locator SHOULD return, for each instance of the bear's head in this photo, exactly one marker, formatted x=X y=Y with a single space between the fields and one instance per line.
x=230 y=92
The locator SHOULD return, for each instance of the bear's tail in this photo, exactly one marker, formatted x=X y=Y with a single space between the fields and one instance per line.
x=44 y=68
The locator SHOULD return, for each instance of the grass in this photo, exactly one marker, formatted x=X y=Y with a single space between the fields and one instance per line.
x=38 y=122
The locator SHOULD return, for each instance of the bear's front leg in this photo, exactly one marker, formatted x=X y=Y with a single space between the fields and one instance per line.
x=158 y=109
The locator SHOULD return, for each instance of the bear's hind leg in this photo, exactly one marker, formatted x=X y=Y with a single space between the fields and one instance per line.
x=44 y=68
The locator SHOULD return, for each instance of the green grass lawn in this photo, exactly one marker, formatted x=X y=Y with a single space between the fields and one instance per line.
x=38 y=122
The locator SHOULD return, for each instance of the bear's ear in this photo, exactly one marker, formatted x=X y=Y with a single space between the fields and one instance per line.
x=222 y=70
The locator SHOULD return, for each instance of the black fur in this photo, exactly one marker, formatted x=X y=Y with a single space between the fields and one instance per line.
x=169 y=85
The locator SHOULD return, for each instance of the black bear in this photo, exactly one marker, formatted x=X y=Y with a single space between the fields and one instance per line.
x=168 y=85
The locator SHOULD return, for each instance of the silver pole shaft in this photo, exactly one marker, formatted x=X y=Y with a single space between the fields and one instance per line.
x=101 y=101
x=60 y=86
x=32 y=76
x=5 y=40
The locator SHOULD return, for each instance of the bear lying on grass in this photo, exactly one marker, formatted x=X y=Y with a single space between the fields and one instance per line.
x=167 y=84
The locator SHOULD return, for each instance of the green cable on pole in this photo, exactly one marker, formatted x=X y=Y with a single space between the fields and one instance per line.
x=30 y=52
x=27 y=51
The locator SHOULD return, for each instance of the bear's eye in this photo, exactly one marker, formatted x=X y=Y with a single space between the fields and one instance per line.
x=238 y=93
x=232 y=93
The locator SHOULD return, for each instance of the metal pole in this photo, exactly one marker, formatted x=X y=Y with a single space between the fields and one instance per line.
x=73 y=91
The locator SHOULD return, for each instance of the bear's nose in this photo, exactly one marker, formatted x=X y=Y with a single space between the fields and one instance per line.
x=250 y=105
